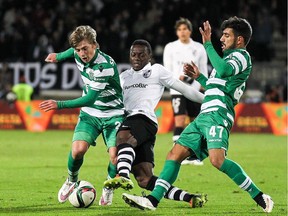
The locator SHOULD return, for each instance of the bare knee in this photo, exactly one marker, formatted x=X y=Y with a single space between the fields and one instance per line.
x=142 y=181
x=113 y=155
x=216 y=162
x=79 y=148
x=178 y=153
x=217 y=157
x=126 y=137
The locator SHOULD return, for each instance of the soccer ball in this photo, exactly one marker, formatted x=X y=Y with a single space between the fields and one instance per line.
x=83 y=195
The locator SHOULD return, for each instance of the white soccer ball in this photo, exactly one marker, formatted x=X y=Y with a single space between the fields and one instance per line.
x=83 y=195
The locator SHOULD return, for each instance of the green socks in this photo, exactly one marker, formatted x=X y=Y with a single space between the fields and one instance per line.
x=73 y=167
x=237 y=174
x=112 y=170
x=166 y=179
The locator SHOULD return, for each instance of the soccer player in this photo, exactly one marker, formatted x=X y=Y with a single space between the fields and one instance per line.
x=175 y=54
x=102 y=105
x=207 y=135
x=143 y=86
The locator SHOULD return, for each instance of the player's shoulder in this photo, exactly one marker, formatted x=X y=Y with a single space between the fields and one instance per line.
x=157 y=67
x=197 y=44
x=240 y=54
x=242 y=51
x=159 y=70
x=105 y=58
x=125 y=73
x=172 y=44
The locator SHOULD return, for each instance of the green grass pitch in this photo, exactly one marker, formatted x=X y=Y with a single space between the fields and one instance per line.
x=33 y=168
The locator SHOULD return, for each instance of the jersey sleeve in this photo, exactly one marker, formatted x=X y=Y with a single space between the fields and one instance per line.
x=221 y=66
x=238 y=60
x=165 y=77
x=87 y=100
x=188 y=91
x=202 y=80
x=69 y=53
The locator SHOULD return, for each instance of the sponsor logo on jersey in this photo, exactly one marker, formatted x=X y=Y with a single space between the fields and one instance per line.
x=101 y=68
x=147 y=74
x=137 y=85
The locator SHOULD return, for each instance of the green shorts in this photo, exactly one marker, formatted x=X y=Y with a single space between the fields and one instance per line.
x=207 y=131
x=89 y=128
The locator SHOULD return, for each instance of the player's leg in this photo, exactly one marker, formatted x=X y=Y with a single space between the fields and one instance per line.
x=193 y=110
x=189 y=139
x=109 y=136
x=133 y=132
x=84 y=136
x=143 y=172
x=177 y=194
x=179 y=112
x=75 y=161
x=235 y=172
x=163 y=183
x=217 y=142
x=125 y=158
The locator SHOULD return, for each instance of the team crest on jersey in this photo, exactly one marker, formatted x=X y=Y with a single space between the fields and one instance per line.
x=91 y=74
x=147 y=74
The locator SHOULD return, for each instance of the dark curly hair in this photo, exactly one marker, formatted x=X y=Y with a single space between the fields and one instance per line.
x=240 y=26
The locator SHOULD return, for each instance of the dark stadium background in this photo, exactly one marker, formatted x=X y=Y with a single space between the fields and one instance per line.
x=30 y=29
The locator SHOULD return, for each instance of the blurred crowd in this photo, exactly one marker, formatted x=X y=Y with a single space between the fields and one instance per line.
x=32 y=28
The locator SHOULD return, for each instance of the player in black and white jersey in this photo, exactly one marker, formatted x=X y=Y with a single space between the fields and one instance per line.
x=143 y=86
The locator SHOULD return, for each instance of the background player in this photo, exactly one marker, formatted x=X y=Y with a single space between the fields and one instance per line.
x=175 y=54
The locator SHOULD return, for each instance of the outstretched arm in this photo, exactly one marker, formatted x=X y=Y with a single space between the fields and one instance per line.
x=187 y=91
x=206 y=32
x=56 y=57
x=222 y=68
x=51 y=58
x=87 y=100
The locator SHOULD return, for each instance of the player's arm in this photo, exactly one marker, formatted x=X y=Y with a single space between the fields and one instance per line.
x=221 y=66
x=56 y=57
x=192 y=71
x=166 y=79
x=202 y=65
x=87 y=100
x=188 y=91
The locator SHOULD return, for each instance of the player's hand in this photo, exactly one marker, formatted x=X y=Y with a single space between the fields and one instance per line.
x=205 y=32
x=51 y=58
x=191 y=70
x=48 y=105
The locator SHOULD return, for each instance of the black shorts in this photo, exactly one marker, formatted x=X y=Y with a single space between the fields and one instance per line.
x=144 y=130
x=183 y=106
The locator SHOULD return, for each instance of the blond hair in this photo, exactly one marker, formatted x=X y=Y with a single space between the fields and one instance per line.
x=81 y=33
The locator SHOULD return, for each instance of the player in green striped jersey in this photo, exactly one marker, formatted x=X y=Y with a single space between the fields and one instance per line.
x=207 y=135
x=101 y=105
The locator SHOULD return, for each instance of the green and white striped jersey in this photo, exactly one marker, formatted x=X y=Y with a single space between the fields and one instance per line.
x=101 y=75
x=226 y=82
